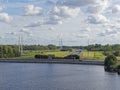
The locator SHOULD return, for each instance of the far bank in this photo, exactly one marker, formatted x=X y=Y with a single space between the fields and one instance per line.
x=57 y=61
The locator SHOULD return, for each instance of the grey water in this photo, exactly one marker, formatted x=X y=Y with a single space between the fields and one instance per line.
x=35 y=76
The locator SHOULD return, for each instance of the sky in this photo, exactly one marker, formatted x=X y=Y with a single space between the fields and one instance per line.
x=75 y=22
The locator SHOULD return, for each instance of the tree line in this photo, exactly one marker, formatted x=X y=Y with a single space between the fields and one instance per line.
x=106 y=49
x=9 y=51
x=40 y=47
x=92 y=47
x=99 y=47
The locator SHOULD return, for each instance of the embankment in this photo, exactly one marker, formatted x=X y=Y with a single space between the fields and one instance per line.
x=57 y=61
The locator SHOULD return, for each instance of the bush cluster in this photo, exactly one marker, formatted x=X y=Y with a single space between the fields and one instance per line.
x=110 y=62
x=117 y=53
x=41 y=56
x=72 y=57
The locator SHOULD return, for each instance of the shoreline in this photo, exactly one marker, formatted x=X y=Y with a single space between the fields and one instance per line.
x=54 y=61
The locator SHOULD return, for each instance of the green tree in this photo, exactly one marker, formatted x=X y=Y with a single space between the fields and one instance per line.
x=117 y=53
x=110 y=62
x=16 y=52
x=52 y=47
x=10 y=52
x=1 y=51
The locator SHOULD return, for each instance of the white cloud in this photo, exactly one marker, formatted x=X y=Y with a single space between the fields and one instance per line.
x=116 y=9
x=60 y=13
x=11 y=33
x=97 y=19
x=108 y=32
x=1 y=37
x=97 y=9
x=112 y=25
x=85 y=30
x=65 y=12
x=102 y=34
x=51 y=1
x=1 y=8
x=25 y=30
x=80 y=35
x=36 y=24
x=94 y=9
x=53 y=20
x=51 y=28
x=79 y=3
x=4 y=17
x=32 y=10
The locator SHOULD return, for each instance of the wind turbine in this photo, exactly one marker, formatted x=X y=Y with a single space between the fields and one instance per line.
x=20 y=44
x=60 y=41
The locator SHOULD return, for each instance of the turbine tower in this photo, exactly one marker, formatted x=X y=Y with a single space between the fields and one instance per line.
x=20 y=44
x=61 y=43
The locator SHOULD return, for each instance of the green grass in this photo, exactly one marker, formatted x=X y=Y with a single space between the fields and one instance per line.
x=29 y=54
x=97 y=55
x=57 y=53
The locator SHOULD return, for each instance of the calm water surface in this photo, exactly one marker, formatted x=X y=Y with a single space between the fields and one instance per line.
x=29 y=76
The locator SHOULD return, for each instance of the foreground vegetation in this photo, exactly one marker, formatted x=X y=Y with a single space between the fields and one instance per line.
x=111 y=64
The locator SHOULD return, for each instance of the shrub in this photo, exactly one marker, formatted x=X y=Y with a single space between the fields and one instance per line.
x=118 y=67
x=110 y=62
x=66 y=49
x=74 y=56
x=117 y=53
x=41 y=56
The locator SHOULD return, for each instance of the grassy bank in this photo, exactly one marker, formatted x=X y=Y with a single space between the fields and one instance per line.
x=32 y=53
x=29 y=54
x=96 y=55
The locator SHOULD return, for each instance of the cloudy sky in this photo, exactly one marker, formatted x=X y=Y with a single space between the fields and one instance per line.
x=48 y=21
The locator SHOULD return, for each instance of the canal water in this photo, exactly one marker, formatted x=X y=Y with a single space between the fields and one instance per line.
x=35 y=76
